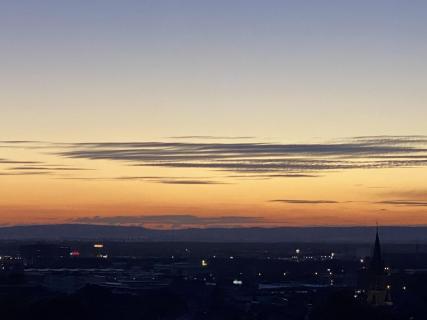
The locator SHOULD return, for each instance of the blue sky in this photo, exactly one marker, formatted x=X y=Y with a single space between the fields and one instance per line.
x=265 y=68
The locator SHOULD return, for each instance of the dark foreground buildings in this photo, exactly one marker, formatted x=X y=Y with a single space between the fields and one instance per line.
x=191 y=281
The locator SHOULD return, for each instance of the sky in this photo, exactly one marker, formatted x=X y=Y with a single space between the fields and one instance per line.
x=174 y=114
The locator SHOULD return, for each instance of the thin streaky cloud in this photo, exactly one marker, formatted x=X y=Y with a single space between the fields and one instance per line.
x=18 y=162
x=18 y=141
x=47 y=168
x=25 y=173
x=300 y=201
x=198 y=182
x=272 y=176
x=406 y=203
x=153 y=179
x=212 y=137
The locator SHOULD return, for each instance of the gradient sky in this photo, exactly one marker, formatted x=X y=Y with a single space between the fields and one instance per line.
x=235 y=105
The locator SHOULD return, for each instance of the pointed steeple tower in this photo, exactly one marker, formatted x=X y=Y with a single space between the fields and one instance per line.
x=377 y=263
x=378 y=291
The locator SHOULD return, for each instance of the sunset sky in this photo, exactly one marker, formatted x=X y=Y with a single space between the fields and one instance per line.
x=173 y=114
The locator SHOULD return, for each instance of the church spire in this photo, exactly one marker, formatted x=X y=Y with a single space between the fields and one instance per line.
x=378 y=290
x=377 y=266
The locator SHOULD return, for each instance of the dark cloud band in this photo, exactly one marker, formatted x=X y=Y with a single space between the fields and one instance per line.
x=176 y=220
x=263 y=158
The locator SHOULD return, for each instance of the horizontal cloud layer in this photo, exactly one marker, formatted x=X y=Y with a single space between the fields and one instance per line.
x=408 y=203
x=154 y=179
x=297 y=201
x=16 y=162
x=263 y=158
x=177 y=220
x=212 y=137
x=246 y=160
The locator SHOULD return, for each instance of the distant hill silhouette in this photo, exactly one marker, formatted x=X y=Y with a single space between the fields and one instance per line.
x=282 y=234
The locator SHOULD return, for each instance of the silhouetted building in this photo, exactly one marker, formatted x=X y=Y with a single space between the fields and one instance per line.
x=11 y=267
x=378 y=289
x=43 y=253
